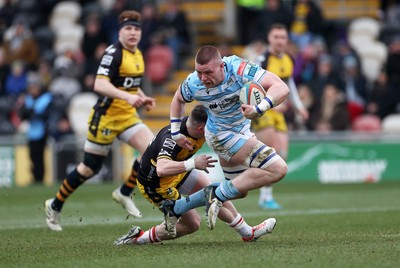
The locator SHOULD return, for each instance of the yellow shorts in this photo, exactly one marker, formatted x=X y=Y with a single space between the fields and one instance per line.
x=271 y=118
x=165 y=188
x=104 y=128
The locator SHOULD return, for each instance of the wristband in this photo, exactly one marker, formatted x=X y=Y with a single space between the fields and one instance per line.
x=266 y=104
x=175 y=127
x=189 y=164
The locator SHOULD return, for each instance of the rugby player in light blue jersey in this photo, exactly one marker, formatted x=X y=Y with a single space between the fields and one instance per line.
x=247 y=163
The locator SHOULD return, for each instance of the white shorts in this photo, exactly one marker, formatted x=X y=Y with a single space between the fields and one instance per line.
x=227 y=143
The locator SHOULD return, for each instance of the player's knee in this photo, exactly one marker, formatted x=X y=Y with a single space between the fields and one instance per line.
x=93 y=162
x=193 y=224
x=278 y=169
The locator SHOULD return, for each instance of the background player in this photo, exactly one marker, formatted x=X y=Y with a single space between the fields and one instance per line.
x=271 y=128
x=118 y=80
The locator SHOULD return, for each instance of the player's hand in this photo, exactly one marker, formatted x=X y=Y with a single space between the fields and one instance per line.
x=203 y=162
x=183 y=142
x=149 y=103
x=135 y=100
x=249 y=111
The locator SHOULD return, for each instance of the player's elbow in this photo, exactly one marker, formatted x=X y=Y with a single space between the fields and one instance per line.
x=97 y=86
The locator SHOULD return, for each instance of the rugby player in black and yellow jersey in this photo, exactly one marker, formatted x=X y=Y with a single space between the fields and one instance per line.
x=167 y=171
x=118 y=81
x=271 y=128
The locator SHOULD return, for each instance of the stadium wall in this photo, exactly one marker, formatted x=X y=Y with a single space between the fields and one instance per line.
x=344 y=157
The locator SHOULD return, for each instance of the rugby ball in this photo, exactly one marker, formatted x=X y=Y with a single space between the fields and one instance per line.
x=252 y=93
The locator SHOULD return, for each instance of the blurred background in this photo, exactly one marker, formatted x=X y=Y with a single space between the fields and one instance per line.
x=347 y=70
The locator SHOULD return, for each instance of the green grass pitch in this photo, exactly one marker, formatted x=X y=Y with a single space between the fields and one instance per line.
x=348 y=225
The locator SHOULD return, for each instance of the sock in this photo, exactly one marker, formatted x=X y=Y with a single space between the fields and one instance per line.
x=226 y=191
x=268 y=193
x=241 y=226
x=71 y=182
x=261 y=197
x=130 y=183
x=149 y=236
x=187 y=203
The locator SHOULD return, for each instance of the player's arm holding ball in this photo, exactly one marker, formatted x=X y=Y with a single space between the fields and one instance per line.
x=276 y=92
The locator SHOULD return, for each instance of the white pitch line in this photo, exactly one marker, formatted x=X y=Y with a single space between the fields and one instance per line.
x=75 y=220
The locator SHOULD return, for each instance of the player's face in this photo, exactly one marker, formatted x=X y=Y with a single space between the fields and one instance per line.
x=278 y=39
x=130 y=36
x=211 y=74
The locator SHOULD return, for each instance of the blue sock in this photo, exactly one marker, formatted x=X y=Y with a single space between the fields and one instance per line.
x=226 y=191
x=192 y=201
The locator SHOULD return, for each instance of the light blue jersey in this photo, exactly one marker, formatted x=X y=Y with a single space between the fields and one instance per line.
x=222 y=102
x=227 y=129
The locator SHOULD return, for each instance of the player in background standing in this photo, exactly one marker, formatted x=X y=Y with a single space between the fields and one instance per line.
x=271 y=128
x=168 y=171
x=118 y=81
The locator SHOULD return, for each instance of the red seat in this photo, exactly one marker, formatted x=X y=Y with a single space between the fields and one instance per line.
x=159 y=61
x=367 y=123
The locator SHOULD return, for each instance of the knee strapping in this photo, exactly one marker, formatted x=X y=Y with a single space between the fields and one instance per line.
x=260 y=156
x=93 y=161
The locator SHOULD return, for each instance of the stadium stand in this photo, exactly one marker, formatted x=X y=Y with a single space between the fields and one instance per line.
x=391 y=123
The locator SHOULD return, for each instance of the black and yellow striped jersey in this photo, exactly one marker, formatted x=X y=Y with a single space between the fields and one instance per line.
x=125 y=70
x=282 y=66
x=163 y=146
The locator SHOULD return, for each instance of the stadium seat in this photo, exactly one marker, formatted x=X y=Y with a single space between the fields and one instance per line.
x=69 y=37
x=365 y=26
x=391 y=123
x=367 y=123
x=373 y=56
x=78 y=111
x=357 y=40
x=159 y=61
x=70 y=10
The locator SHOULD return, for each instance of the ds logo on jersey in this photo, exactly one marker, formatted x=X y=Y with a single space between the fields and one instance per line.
x=132 y=82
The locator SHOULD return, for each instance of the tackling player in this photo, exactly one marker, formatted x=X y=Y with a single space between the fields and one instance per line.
x=118 y=81
x=271 y=128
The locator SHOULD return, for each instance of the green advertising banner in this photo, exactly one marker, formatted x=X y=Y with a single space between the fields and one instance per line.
x=336 y=162
x=343 y=162
x=7 y=166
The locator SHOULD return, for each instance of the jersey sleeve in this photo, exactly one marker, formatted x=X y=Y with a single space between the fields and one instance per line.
x=169 y=149
x=109 y=64
x=245 y=70
x=189 y=87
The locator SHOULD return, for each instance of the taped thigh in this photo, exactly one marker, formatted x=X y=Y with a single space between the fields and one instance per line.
x=261 y=156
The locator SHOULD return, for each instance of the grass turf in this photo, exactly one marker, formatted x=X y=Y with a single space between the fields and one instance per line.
x=349 y=225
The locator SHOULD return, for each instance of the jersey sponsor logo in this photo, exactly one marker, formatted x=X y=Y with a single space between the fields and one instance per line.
x=241 y=68
x=164 y=152
x=222 y=105
x=252 y=71
x=169 y=143
x=132 y=82
x=106 y=60
x=103 y=71
x=110 y=49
